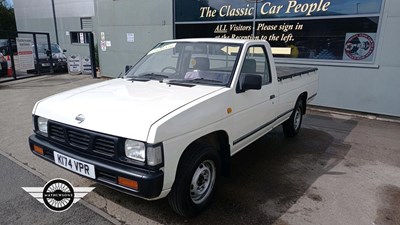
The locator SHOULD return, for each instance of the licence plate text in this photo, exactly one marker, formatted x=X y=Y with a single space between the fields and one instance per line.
x=75 y=165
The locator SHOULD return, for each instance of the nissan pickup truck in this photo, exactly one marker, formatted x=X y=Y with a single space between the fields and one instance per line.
x=170 y=125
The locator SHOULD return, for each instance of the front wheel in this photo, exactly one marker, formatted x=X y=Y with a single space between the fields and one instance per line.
x=195 y=180
x=291 y=127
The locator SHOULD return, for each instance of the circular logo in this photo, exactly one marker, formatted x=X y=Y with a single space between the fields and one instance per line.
x=58 y=195
x=359 y=46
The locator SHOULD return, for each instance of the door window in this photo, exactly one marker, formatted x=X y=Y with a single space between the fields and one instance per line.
x=256 y=62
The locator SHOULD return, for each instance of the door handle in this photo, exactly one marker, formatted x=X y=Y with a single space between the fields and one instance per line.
x=271 y=97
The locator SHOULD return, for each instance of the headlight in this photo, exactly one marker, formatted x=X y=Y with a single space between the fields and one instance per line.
x=140 y=151
x=154 y=155
x=135 y=150
x=42 y=124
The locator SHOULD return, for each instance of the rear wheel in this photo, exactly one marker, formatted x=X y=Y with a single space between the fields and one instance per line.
x=291 y=127
x=195 y=180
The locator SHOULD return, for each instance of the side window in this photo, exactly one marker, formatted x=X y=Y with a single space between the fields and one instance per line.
x=256 y=62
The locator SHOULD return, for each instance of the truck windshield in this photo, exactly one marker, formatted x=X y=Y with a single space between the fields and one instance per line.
x=188 y=62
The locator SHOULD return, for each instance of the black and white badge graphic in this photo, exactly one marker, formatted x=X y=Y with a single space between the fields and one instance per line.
x=58 y=194
x=359 y=46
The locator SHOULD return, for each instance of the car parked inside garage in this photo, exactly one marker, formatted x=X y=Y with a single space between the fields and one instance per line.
x=58 y=58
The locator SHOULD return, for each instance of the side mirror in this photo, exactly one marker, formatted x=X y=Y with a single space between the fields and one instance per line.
x=48 y=52
x=250 y=82
x=127 y=68
x=64 y=50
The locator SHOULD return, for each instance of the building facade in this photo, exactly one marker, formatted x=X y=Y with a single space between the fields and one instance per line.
x=353 y=43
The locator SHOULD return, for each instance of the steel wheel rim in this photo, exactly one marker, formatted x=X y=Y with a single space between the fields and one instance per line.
x=202 y=182
x=297 y=118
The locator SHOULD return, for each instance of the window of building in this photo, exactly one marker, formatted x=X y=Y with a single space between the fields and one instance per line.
x=315 y=30
x=79 y=37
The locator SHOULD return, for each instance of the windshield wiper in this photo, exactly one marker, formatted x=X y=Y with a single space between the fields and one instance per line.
x=198 y=81
x=153 y=76
x=205 y=80
x=177 y=82
x=137 y=79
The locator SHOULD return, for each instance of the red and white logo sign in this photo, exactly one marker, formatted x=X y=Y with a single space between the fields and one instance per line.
x=359 y=46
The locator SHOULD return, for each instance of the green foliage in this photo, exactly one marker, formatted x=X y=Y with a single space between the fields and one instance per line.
x=7 y=17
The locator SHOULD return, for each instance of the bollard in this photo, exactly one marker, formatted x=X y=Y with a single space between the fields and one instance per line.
x=9 y=69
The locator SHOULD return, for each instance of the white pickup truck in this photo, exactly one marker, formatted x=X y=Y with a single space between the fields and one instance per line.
x=170 y=125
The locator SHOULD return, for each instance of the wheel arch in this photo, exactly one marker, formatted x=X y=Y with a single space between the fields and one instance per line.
x=303 y=97
x=219 y=140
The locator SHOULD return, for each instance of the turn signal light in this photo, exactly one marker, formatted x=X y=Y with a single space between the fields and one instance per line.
x=128 y=183
x=38 y=149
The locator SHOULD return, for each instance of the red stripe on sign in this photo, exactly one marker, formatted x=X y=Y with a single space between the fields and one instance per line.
x=25 y=53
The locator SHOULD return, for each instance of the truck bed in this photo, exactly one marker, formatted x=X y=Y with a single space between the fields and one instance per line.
x=284 y=72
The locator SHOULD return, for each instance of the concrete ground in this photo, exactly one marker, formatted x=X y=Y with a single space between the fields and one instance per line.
x=341 y=169
x=18 y=207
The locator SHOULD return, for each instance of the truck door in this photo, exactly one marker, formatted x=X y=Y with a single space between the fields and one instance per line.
x=255 y=109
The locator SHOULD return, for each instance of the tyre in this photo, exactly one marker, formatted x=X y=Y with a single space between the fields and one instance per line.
x=291 y=127
x=195 y=180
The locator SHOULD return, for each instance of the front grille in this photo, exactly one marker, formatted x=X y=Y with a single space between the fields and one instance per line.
x=83 y=140
x=103 y=145
x=78 y=139
x=56 y=132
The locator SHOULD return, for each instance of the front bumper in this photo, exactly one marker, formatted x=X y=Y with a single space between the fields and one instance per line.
x=150 y=182
x=57 y=65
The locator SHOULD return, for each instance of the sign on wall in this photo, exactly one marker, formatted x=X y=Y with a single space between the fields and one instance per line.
x=359 y=46
x=130 y=37
x=313 y=29
x=25 y=53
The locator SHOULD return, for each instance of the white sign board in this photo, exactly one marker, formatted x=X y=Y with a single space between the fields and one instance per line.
x=86 y=65
x=103 y=46
x=81 y=38
x=130 y=37
x=74 y=64
x=25 y=53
